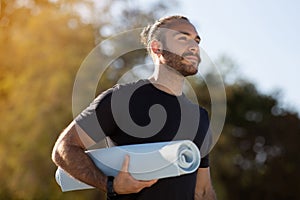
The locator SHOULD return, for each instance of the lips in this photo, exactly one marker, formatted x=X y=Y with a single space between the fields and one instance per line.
x=192 y=59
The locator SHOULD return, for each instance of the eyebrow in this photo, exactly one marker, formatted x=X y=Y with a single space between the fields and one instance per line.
x=188 y=34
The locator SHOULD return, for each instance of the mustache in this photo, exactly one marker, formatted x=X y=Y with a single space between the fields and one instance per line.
x=192 y=54
x=188 y=53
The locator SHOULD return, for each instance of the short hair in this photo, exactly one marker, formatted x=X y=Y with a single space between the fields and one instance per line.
x=151 y=32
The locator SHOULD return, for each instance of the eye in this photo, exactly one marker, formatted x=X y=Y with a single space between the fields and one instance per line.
x=198 y=41
x=183 y=38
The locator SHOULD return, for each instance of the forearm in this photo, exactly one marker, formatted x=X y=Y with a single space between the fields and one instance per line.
x=68 y=153
x=75 y=162
x=204 y=189
x=208 y=194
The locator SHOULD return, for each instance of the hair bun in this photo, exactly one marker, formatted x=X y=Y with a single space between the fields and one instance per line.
x=145 y=34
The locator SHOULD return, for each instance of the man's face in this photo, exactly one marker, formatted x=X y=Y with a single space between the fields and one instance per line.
x=181 y=47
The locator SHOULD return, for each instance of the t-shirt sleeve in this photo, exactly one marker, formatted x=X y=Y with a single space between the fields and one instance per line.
x=97 y=117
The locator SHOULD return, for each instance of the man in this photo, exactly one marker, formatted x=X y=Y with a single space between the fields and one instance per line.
x=173 y=44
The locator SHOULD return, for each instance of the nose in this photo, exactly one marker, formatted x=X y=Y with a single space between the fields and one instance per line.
x=194 y=47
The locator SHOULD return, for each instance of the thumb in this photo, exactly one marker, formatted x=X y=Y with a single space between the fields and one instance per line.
x=125 y=164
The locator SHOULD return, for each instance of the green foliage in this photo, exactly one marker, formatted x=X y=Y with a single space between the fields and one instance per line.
x=256 y=155
x=35 y=86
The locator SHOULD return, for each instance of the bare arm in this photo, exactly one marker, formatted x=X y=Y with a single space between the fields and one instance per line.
x=204 y=189
x=68 y=153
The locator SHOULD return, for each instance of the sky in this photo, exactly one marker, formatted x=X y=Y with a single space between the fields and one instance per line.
x=261 y=36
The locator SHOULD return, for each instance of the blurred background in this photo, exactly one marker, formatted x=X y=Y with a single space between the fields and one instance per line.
x=43 y=44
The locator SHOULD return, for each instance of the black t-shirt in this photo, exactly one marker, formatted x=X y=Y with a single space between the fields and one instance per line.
x=137 y=113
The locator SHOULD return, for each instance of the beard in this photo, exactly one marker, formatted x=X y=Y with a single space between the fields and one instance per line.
x=178 y=63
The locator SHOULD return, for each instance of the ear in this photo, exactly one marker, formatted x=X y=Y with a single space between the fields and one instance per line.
x=156 y=47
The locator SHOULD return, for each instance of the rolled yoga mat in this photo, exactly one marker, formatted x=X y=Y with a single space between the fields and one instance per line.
x=147 y=161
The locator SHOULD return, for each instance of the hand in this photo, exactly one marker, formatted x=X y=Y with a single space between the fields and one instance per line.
x=124 y=183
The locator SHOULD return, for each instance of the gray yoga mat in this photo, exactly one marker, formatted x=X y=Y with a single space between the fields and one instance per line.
x=147 y=161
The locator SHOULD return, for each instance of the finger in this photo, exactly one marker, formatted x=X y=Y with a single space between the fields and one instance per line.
x=125 y=164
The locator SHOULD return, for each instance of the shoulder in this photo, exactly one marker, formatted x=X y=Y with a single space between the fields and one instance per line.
x=123 y=92
x=120 y=87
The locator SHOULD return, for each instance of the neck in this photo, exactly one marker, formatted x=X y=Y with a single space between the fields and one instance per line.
x=167 y=79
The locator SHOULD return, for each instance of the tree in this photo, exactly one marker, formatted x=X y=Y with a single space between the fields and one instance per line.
x=256 y=155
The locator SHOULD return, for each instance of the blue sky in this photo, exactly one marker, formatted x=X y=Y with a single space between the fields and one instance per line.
x=261 y=36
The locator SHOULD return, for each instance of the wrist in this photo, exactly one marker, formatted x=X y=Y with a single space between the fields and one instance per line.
x=110 y=187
